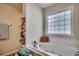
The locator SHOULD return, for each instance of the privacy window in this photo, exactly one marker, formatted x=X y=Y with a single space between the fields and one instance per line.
x=60 y=22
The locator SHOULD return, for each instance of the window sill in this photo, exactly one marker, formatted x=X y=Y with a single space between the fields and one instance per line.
x=60 y=34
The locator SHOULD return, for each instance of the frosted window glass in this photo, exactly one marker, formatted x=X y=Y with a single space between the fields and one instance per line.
x=57 y=19
x=49 y=17
x=67 y=32
x=68 y=12
x=67 y=22
x=61 y=18
x=56 y=27
x=67 y=17
x=61 y=31
x=56 y=23
x=60 y=22
x=67 y=27
x=61 y=13
x=62 y=27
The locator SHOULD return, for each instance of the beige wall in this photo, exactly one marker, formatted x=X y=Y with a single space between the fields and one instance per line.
x=10 y=16
x=64 y=40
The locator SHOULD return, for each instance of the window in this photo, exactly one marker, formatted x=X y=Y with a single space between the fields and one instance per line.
x=60 y=22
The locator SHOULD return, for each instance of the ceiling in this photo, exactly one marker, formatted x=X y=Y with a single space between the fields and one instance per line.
x=44 y=5
x=19 y=6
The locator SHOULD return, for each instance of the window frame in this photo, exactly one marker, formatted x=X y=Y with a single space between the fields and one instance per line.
x=72 y=22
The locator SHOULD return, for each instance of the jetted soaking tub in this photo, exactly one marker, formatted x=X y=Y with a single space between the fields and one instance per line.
x=50 y=49
x=59 y=49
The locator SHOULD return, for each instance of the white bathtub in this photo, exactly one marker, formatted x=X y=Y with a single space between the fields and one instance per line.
x=59 y=49
x=41 y=50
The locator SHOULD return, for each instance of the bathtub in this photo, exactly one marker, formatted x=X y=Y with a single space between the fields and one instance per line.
x=59 y=49
x=40 y=52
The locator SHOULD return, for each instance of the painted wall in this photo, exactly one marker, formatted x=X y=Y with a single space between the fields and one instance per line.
x=10 y=16
x=64 y=40
x=34 y=23
x=24 y=9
